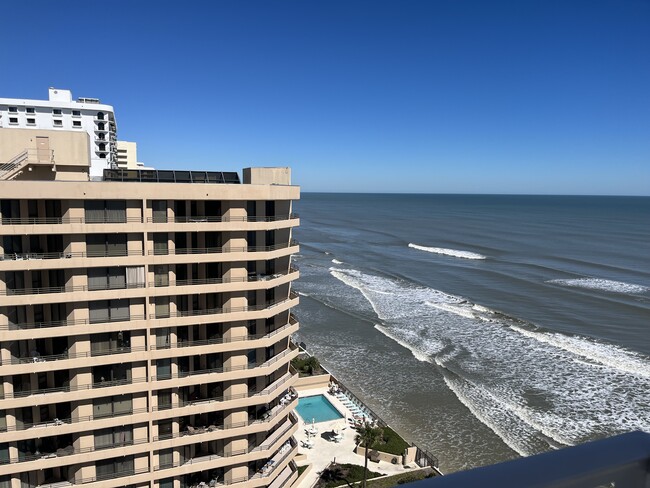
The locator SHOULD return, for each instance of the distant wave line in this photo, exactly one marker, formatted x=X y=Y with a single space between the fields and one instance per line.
x=456 y=253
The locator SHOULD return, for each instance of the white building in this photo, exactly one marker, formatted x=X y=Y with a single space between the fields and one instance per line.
x=60 y=112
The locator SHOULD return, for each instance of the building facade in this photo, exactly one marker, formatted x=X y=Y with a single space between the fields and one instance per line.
x=127 y=155
x=145 y=325
x=61 y=113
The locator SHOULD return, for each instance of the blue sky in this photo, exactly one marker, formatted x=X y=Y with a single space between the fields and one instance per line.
x=455 y=96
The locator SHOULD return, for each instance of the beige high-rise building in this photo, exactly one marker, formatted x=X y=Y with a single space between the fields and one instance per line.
x=127 y=155
x=145 y=323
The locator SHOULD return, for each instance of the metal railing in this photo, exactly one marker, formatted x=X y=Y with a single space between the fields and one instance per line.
x=225 y=340
x=217 y=281
x=69 y=220
x=70 y=451
x=252 y=393
x=70 y=322
x=265 y=446
x=69 y=355
x=69 y=388
x=68 y=255
x=620 y=461
x=282 y=410
x=220 y=249
x=223 y=310
x=46 y=290
x=56 y=422
x=223 y=369
x=197 y=219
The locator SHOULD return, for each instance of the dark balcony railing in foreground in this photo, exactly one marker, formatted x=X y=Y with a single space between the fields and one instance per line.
x=622 y=462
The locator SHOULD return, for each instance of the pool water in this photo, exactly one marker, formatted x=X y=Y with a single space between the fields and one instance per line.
x=318 y=408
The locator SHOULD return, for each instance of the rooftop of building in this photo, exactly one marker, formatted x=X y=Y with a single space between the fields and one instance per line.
x=58 y=98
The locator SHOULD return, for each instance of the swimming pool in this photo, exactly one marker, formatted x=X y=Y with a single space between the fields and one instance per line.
x=318 y=408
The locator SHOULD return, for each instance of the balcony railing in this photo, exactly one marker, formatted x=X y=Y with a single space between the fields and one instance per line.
x=69 y=220
x=70 y=322
x=224 y=340
x=45 y=290
x=222 y=310
x=620 y=461
x=160 y=283
x=57 y=422
x=195 y=219
x=221 y=249
x=287 y=450
x=37 y=256
x=265 y=446
x=279 y=410
x=223 y=369
x=69 y=388
x=69 y=451
x=69 y=355
x=224 y=398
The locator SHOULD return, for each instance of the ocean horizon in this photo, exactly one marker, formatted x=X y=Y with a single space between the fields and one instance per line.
x=483 y=327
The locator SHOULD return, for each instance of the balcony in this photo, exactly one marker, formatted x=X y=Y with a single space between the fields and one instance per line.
x=198 y=219
x=68 y=323
x=621 y=461
x=68 y=289
x=67 y=355
x=273 y=387
x=221 y=249
x=225 y=310
x=258 y=451
x=57 y=422
x=161 y=283
x=71 y=388
x=199 y=376
x=67 y=255
x=196 y=433
x=68 y=220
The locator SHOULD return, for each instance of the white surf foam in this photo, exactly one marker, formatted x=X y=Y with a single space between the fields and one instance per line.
x=610 y=355
x=601 y=284
x=417 y=353
x=336 y=261
x=557 y=389
x=448 y=252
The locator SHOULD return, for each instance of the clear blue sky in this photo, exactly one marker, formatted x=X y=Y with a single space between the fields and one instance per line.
x=456 y=96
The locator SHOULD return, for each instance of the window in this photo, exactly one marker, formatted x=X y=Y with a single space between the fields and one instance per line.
x=58 y=123
x=13 y=110
x=105 y=211
x=108 y=311
x=109 y=406
x=76 y=123
x=114 y=436
x=76 y=113
x=113 y=468
x=13 y=120
x=31 y=121
x=56 y=111
x=30 y=110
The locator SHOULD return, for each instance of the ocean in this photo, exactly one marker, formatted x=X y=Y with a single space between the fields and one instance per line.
x=482 y=328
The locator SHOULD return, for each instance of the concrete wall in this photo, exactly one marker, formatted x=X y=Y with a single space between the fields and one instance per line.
x=70 y=148
x=267 y=176
x=309 y=382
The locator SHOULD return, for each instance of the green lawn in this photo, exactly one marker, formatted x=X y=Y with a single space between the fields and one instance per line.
x=342 y=474
x=392 y=443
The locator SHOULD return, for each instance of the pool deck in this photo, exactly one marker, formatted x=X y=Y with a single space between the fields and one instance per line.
x=326 y=451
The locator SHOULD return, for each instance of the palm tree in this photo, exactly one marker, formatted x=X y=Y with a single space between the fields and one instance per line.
x=368 y=436
x=312 y=364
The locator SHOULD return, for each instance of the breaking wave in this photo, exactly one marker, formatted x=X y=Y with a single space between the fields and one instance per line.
x=536 y=390
x=602 y=284
x=448 y=252
x=336 y=261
